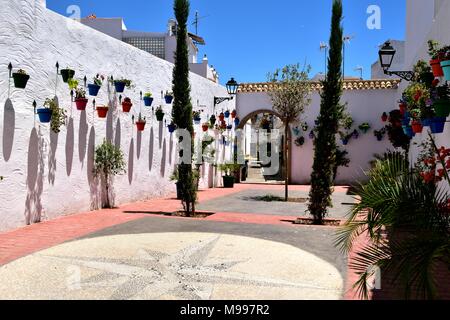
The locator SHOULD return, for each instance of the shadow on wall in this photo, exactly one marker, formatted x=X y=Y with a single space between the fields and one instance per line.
x=117 y=139
x=82 y=136
x=160 y=133
x=163 y=159
x=9 y=124
x=170 y=148
x=131 y=162
x=92 y=179
x=70 y=140
x=150 y=150
x=35 y=178
x=52 y=157
x=138 y=144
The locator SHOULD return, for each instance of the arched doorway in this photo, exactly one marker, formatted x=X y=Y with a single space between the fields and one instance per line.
x=251 y=124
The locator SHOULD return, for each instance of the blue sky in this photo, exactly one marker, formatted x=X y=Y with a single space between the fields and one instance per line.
x=248 y=38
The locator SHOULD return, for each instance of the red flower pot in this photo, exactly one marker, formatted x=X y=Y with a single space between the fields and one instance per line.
x=222 y=116
x=81 y=104
x=417 y=126
x=140 y=126
x=126 y=106
x=102 y=112
x=437 y=68
x=384 y=117
x=402 y=108
x=205 y=128
x=233 y=114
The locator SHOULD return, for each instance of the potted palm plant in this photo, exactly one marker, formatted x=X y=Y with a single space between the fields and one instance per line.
x=126 y=105
x=148 y=99
x=121 y=84
x=140 y=123
x=159 y=114
x=67 y=74
x=168 y=97
x=94 y=87
x=20 y=79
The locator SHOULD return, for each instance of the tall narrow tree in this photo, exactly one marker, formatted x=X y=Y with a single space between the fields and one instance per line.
x=182 y=107
x=331 y=111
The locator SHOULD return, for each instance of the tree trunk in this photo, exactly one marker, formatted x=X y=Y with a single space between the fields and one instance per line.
x=286 y=161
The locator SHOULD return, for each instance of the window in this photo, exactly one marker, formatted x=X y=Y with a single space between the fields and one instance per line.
x=155 y=46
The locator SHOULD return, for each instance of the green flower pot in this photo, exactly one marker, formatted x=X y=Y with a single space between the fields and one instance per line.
x=442 y=108
x=446 y=68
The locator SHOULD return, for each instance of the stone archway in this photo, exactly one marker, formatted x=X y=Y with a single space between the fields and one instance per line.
x=252 y=114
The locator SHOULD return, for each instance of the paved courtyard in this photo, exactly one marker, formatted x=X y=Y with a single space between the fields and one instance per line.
x=247 y=250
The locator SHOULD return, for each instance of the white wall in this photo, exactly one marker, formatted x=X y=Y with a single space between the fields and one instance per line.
x=363 y=105
x=47 y=175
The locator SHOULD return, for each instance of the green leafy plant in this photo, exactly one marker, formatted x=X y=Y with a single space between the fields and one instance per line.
x=80 y=93
x=228 y=169
x=416 y=95
x=169 y=94
x=128 y=83
x=196 y=114
x=159 y=110
x=73 y=83
x=21 y=71
x=58 y=114
x=98 y=80
x=364 y=127
x=108 y=162
x=148 y=95
x=141 y=119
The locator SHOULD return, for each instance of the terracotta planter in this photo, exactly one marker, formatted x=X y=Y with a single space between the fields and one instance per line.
x=417 y=126
x=233 y=114
x=102 y=112
x=140 y=126
x=81 y=104
x=437 y=68
x=221 y=117
x=126 y=106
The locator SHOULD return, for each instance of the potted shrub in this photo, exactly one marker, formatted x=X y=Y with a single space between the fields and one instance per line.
x=159 y=114
x=121 y=84
x=172 y=127
x=212 y=120
x=67 y=74
x=365 y=127
x=108 y=162
x=435 y=61
x=20 y=79
x=126 y=105
x=52 y=113
x=140 y=123
x=168 y=97
x=148 y=99
x=80 y=99
x=196 y=116
x=423 y=73
x=94 y=87
x=228 y=177
x=102 y=111
x=205 y=127
x=441 y=101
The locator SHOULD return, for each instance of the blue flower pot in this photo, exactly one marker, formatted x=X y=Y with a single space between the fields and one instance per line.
x=227 y=114
x=168 y=99
x=229 y=127
x=197 y=120
x=408 y=131
x=426 y=122
x=437 y=125
x=406 y=119
x=172 y=128
x=237 y=122
x=120 y=86
x=148 y=101
x=45 y=115
x=446 y=67
x=93 y=89
x=345 y=142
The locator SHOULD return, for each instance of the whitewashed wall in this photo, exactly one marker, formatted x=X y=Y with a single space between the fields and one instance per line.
x=363 y=105
x=48 y=175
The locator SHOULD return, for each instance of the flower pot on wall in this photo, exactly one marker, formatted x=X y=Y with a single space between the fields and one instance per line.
x=221 y=116
x=172 y=128
x=212 y=120
x=227 y=114
x=197 y=120
x=446 y=69
x=437 y=125
x=237 y=121
x=67 y=74
x=126 y=106
x=160 y=116
x=402 y=107
x=437 y=68
x=45 y=115
x=417 y=126
x=102 y=112
x=81 y=104
x=228 y=182
x=205 y=128
x=20 y=80
x=148 y=101
x=426 y=122
x=140 y=126
x=119 y=86
x=168 y=99
x=407 y=130
x=442 y=108
x=93 y=89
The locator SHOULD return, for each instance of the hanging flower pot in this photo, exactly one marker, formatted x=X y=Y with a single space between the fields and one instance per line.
x=237 y=121
x=229 y=127
x=168 y=98
x=212 y=120
x=406 y=119
x=197 y=120
x=67 y=74
x=344 y=141
x=379 y=138
x=159 y=114
x=148 y=101
x=437 y=125
x=93 y=89
x=81 y=103
x=119 y=86
x=417 y=126
x=126 y=105
x=442 y=108
x=205 y=127
x=384 y=117
x=102 y=111
x=446 y=69
x=20 y=79
x=172 y=127
x=426 y=122
x=233 y=114
x=402 y=106
x=221 y=116
x=140 y=125
x=227 y=114
x=312 y=135
x=300 y=141
x=45 y=115
x=355 y=134
x=436 y=67
x=407 y=130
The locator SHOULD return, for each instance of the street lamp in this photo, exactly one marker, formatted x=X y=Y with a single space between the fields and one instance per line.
x=232 y=88
x=387 y=54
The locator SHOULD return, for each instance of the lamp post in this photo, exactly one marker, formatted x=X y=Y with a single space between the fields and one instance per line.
x=387 y=54
x=232 y=88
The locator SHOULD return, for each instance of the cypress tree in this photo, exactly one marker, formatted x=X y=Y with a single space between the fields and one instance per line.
x=331 y=111
x=182 y=107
